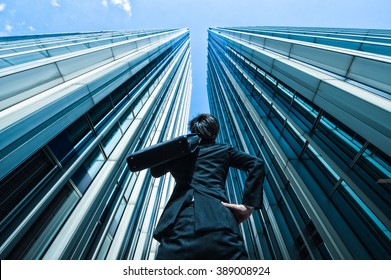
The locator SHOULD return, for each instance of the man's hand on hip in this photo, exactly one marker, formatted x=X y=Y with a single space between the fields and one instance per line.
x=241 y=212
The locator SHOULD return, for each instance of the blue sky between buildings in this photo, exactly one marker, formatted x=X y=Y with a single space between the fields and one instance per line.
x=21 y=17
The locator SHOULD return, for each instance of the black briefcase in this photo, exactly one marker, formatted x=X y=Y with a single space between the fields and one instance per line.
x=163 y=152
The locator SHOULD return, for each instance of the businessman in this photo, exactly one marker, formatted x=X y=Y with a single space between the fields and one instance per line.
x=198 y=221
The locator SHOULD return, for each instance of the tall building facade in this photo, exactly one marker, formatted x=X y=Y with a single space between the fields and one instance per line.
x=314 y=104
x=72 y=107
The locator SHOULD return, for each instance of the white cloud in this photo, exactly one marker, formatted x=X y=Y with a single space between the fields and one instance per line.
x=31 y=28
x=2 y=7
x=104 y=3
x=123 y=4
x=8 y=27
x=55 y=3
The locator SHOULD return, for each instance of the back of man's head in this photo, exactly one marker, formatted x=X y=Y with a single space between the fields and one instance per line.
x=206 y=125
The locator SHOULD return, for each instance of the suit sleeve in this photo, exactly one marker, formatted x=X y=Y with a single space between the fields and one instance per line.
x=253 y=187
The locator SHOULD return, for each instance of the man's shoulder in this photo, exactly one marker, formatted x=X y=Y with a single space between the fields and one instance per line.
x=221 y=144
x=216 y=147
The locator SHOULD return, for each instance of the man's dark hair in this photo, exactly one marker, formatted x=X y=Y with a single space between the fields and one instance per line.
x=206 y=125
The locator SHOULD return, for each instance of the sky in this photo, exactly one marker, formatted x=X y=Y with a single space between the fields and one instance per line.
x=21 y=17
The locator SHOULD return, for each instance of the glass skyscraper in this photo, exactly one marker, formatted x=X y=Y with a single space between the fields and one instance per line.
x=72 y=107
x=314 y=104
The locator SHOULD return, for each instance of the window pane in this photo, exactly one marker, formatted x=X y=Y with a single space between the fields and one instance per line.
x=39 y=236
x=87 y=172
x=100 y=111
x=19 y=184
x=65 y=145
x=111 y=140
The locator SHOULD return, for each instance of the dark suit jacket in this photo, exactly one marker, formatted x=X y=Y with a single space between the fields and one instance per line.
x=201 y=177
